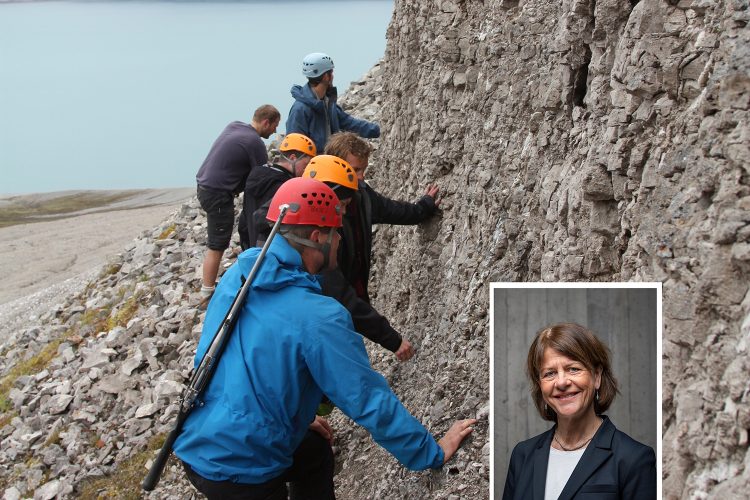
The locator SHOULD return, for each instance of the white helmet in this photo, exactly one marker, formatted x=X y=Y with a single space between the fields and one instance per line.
x=315 y=64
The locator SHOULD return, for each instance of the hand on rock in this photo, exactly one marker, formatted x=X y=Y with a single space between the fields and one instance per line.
x=405 y=351
x=433 y=191
x=455 y=435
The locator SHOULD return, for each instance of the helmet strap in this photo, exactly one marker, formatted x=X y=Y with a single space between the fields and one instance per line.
x=293 y=163
x=325 y=248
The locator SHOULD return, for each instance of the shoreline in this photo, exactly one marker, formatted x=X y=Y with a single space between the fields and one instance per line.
x=29 y=208
x=45 y=261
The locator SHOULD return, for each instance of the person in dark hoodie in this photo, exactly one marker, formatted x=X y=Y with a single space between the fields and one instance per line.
x=315 y=112
x=340 y=177
x=296 y=151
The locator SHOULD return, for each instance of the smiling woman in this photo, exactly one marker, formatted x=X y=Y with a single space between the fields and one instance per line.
x=583 y=455
x=568 y=365
x=592 y=386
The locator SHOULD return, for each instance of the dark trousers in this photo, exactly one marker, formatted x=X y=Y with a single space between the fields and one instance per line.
x=310 y=477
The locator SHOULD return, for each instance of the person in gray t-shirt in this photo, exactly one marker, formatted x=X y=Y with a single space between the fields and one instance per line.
x=222 y=176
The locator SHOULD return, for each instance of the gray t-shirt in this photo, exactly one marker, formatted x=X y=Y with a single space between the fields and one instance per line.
x=238 y=149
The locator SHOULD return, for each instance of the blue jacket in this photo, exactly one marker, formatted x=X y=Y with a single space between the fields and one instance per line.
x=291 y=345
x=308 y=117
x=614 y=465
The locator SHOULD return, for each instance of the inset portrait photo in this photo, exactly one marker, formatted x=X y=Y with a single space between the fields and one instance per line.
x=576 y=384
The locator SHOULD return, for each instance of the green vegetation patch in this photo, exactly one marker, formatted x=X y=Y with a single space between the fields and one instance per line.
x=169 y=231
x=30 y=366
x=92 y=321
x=125 y=313
x=125 y=481
x=53 y=438
x=25 y=209
x=6 y=418
x=110 y=269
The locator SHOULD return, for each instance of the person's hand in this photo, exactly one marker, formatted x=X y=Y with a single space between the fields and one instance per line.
x=322 y=427
x=433 y=191
x=452 y=439
x=405 y=351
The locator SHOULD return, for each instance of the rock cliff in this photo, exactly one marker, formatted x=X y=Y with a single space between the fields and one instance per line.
x=578 y=141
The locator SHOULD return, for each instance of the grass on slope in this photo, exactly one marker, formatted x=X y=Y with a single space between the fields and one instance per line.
x=125 y=481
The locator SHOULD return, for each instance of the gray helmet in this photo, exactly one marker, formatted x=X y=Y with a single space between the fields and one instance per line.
x=315 y=64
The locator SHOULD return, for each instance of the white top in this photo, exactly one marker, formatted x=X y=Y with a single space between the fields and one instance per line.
x=559 y=469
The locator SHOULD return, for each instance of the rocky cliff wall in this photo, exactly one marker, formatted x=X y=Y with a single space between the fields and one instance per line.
x=577 y=140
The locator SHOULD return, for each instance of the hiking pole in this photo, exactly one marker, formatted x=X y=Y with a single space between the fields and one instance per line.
x=202 y=375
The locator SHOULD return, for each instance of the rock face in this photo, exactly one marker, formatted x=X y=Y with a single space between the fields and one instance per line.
x=574 y=141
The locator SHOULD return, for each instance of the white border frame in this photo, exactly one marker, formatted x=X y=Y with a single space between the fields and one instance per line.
x=594 y=284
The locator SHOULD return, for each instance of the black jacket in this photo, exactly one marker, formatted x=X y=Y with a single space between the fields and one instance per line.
x=261 y=185
x=367 y=321
x=374 y=208
x=614 y=466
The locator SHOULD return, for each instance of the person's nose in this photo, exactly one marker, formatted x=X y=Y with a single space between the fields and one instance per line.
x=561 y=380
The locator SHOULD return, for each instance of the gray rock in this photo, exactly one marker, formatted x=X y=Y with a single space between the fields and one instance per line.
x=94 y=358
x=17 y=397
x=113 y=384
x=12 y=493
x=168 y=389
x=48 y=490
x=33 y=477
x=147 y=410
x=59 y=403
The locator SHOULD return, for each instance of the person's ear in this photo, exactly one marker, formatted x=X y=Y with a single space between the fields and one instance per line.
x=316 y=235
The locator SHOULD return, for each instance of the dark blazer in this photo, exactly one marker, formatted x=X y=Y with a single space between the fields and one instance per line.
x=614 y=466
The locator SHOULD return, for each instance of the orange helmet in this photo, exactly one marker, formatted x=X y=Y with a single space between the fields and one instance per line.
x=311 y=203
x=329 y=168
x=298 y=142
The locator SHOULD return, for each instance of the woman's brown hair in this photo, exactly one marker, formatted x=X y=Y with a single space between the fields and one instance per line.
x=580 y=344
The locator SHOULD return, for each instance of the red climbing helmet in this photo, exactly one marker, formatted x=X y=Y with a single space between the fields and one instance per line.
x=311 y=203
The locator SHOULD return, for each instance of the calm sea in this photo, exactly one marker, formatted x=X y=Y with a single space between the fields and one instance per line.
x=115 y=95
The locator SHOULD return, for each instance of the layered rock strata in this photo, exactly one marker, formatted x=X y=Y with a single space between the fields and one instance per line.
x=578 y=141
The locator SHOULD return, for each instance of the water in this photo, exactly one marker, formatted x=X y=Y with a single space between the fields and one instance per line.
x=116 y=95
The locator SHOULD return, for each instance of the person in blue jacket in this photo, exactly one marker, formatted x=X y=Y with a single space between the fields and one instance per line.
x=315 y=112
x=255 y=429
